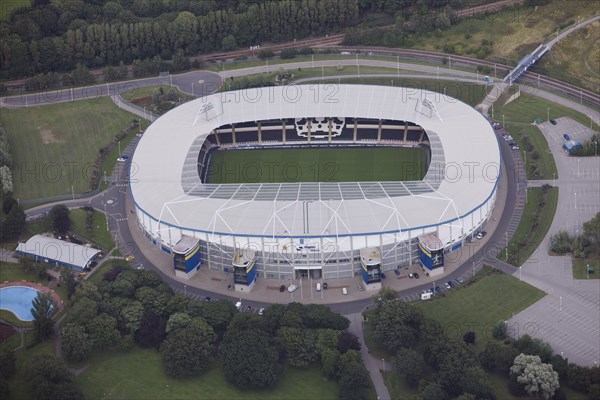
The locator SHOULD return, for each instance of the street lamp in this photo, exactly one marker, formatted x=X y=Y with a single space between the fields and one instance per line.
x=503 y=124
x=383 y=364
x=548 y=114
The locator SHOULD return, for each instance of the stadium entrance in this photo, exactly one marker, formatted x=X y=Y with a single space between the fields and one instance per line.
x=308 y=272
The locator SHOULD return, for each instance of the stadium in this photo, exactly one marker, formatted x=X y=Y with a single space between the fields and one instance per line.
x=320 y=181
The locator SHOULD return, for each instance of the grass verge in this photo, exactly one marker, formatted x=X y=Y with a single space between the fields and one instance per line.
x=538 y=215
x=137 y=373
x=479 y=304
x=55 y=146
x=580 y=265
x=98 y=234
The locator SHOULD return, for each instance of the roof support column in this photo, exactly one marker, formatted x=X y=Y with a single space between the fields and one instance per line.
x=355 y=130
x=379 y=132
x=259 y=133
x=233 y=133
x=283 y=131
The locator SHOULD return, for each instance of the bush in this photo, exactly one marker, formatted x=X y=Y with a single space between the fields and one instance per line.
x=288 y=54
x=265 y=54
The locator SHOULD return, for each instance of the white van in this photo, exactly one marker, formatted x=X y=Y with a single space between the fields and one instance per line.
x=425 y=296
x=318 y=287
x=238 y=305
x=344 y=291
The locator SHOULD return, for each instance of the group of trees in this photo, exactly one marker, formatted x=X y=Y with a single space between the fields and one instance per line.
x=6 y=163
x=60 y=35
x=579 y=245
x=588 y=148
x=442 y=368
x=138 y=307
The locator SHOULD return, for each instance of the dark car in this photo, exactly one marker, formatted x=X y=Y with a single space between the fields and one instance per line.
x=248 y=309
x=397 y=272
x=437 y=290
x=324 y=285
x=383 y=276
x=483 y=233
x=553 y=121
x=207 y=298
x=566 y=136
x=416 y=275
x=282 y=288
x=451 y=284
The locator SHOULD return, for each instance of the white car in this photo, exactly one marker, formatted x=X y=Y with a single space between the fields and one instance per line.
x=261 y=311
x=291 y=288
x=479 y=236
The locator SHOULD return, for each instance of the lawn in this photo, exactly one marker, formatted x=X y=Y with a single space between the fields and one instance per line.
x=137 y=373
x=580 y=264
x=99 y=235
x=518 y=120
x=147 y=91
x=469 y=93
x=536 y=220
x=55 y=146
x=479 y=304
x=317 y=165
x=16 y=273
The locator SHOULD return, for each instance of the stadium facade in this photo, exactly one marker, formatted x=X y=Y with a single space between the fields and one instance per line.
x=298 y=229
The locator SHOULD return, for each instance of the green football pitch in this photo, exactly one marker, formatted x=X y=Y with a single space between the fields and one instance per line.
x=365 y=164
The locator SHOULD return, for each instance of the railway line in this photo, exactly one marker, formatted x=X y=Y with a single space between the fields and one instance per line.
x=499 y=69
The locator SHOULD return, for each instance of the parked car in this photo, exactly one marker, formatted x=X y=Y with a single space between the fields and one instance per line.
x=566 y=136
x=324 y=285
x=282 y=288
x=130 y=258
x=553 y=121
x=416 y=275
x=359 y=287
x=460 y=279
x=383 y=276
x=411 y=276
x=291 y=288
x=515 y=147
x=451 y=284
x=479 y=236
x=397 y=272
x=261 y=311
x=124 y=157
x=483 y=233
x=447 y=284
x=207 y=298
x=248 y=309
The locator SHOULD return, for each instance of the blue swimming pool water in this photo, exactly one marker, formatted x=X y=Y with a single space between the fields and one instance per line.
x=18 y=300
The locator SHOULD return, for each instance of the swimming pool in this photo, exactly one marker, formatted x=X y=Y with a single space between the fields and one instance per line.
x=18 y=300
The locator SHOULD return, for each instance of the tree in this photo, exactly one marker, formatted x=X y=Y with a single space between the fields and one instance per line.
x=8 y=203
x=591 y=228
x=500 y=330
x=320 y=316
x=354 y=378
x=51 y=379
x=348 y=341
x=103 y=332
x=538 y=378
x=498 y=356
x=433 y=391
x=534 y=346
x=266 y=54
x=13 y=224
x=249 y=359
x=469 y=337
x=59 y=215
x=384 y=295
x=411 y=365
x=68 y=279
x=330 y=360
x=397 y=325
x=299 y=345
x=560 y=242
x=152 y=330
x=228 y=43
x=288 y=53
x=42 y=309
x=178 y=321
x=8 y=363
x=75 y=342
x=188 y=350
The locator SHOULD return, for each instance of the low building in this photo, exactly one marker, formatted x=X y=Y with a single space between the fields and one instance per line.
x=58 y=252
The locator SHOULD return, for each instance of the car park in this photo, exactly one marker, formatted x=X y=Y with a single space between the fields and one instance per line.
x=282 y=288
x=553 y=122
x=566 y=136
x=291 y=288
x=416 y=275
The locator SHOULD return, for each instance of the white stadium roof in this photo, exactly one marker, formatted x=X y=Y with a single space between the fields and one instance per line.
x=460 y=135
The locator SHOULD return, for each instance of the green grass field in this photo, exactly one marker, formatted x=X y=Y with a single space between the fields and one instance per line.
x=479 y=304
x=317 y=165
x=536 y=220
x=138 y=374
x=99 y=235
x=593 y=260
x=55 y=146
